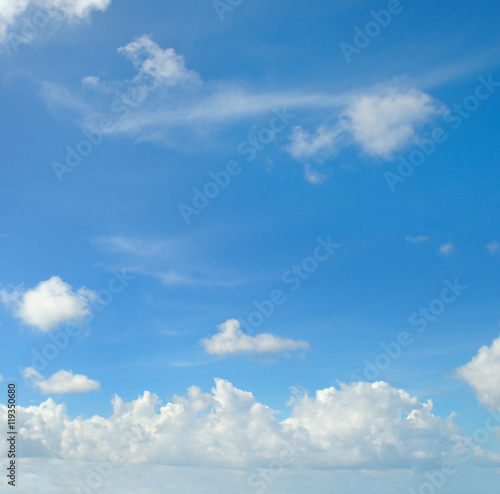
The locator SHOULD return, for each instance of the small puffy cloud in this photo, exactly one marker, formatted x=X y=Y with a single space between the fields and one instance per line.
x=91 y=81
x=322 y=143
x=164 y=66
x=62 y=382
x=446 y=250
x=155 y=67
x=382 y=124
x=231 y=340
x=153 y=99
x=483 y=374
x=313 y=176
x=493 y=247
x=49 y=304
x=1 y=378
x=416 y=240
x=17 y=13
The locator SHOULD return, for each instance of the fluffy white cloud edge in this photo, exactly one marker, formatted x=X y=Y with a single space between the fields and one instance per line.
x=446 y=250
x=15 y=13
x=358 y=425
x=49 y=304
x=62 y=382
x=231 y=340
x=381 y=124
x=483 y=375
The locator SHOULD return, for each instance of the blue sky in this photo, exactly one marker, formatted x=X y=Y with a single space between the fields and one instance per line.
x=305 y=121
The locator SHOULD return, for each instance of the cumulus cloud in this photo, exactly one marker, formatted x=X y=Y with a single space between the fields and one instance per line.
x=359 y=425
x=416 y=240
x=231 y=340
x=446 y=250
x=483 y=374
x=155 y=67
x=49 y=304
x=16 y=13
x=164 y=66
x=62 y=382
x=380 y=123
x=493 y=247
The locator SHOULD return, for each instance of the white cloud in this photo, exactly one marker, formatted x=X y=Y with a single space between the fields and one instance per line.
x=483 y=374
x=231 y=340
x=382 y=124
x=360 y=425
x=158 y=70
x=416 y=240
x=313 y=176
x=164 y=66
x=1 y=378
x=493 y=247
x=17 y=13
x=324 y=142
x=62 y=382
x=380 y=121
x=49 y=304
x=446 y=250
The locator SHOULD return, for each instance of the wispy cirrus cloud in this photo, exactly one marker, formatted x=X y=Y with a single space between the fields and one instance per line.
x=379 y=121
x=172 y=261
